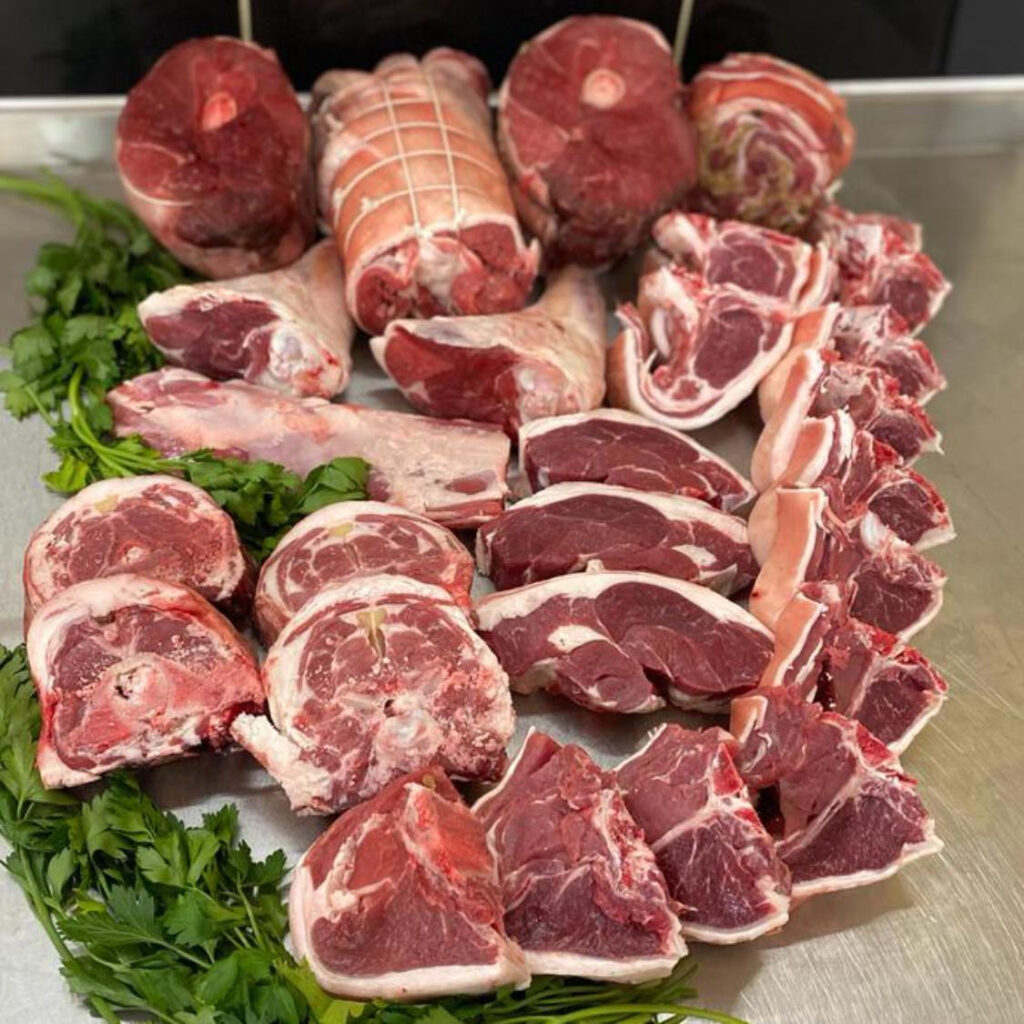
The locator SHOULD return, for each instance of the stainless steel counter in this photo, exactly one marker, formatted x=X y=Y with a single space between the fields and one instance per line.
x=943 y=940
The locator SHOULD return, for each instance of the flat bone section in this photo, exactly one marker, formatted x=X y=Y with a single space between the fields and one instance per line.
x=895 y=587
x=451 y=472
x=589 y=527
x=373 y=678
x=623 y=641
x=356 y=538
x=157 y=526
x=399 y=899
x=583 y=895
x=613 y=446
x=719 y=863
x=287 y=329
x=506 y=368
x=848 y=815
x=846 y=665
x=134 y=671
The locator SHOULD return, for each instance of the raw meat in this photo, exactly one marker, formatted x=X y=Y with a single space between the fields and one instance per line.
x=895 y=587
x=451 y=472
x=592 y=130
x=373 y=678
x=350 y=539
x=771 y=137
x=399 y=899
x=506 y=368
x=853 y=668
x=719 y=863
x=583 y=895
x=616 y=641
x=881 y=262
x=819 y=384
x=412 y=188
x=587 y=527
x=617 y=447
x=848 y=814
x=287 y=329
x=157 y=526
x=133 y=671
x=861 y=476
x=213 y=153
x=758 y=259
x=693 y=351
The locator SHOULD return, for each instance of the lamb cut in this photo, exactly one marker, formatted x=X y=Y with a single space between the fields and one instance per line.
x=592 y=129
x=133 y=671
x=848 y=815
x=848 y=666
x=213 y=152
x=286 y=329
x=772 y=139
x=861 y=476
x=373 y=678
x=506 y=368
x=819 y=384
x=583 y=895
x=718 y=860
x=692 y=351
x=157 y=526
x=621 y=448
x=356 y=538
x=451 y=472
x=411 y=865
x=413 y=191
x=616 y=641
x=761 y=260
x=894 y=587
x=582 y=527
x=881 y=263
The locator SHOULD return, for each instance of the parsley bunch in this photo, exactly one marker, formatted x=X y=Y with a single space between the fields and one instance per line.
x=180 y=925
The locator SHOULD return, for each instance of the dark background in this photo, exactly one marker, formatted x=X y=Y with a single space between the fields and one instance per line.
x=103 y=46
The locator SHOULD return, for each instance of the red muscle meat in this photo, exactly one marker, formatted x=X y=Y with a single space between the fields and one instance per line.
x=618 y=641
x=399 y=899
x=692 y=351
x=848 y=666
x=771 y=139
x=350 y=539
x=622 y=448
x=761 y=260
x=452 y=472
x=582 y=527
x=592 y=130
x=157 y=526
x=582 y=892
x=719 y=863
x=134 y=671
x=286 y=329
x=506 y=368
x=213 y=152
x=414 y=193
x=373 y=678
x=848 y=815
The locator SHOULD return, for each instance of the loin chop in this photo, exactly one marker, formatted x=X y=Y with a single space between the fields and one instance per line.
x=453 y=473
x=399 y=899
x=505 y=368
x=620 y=641
x=373 y=678
x=583 y=895
x=286 y=329
x=133 y=671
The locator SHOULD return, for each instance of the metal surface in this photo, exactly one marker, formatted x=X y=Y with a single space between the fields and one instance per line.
x=942 y=941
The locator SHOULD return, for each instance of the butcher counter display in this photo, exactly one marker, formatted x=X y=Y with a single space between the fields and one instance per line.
x=666 y=698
